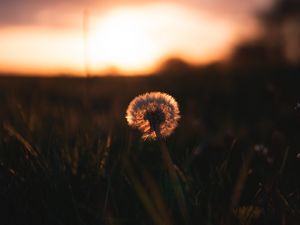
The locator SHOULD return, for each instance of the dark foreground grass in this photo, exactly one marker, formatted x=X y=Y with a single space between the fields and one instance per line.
x=68 y=157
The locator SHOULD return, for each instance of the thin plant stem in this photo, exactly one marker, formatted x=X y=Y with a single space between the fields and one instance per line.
x=173 y=175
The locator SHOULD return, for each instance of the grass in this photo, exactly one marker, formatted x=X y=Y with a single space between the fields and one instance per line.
x=67 y=155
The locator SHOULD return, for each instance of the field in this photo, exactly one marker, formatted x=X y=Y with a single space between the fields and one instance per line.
x=67 y=155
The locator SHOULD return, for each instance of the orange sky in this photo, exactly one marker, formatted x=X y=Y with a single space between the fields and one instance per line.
x=130 y=38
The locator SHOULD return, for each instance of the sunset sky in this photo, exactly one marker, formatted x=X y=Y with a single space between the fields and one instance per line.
x=47 y=37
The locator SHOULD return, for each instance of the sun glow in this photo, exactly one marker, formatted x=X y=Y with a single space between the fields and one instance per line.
x=139 y=38
x=39 y=51
x=129 y=40
x=121 y=41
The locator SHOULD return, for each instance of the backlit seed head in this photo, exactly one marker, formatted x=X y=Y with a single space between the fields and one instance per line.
x=154 y=114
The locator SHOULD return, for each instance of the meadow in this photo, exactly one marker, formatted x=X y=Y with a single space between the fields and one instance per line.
x=67 y=155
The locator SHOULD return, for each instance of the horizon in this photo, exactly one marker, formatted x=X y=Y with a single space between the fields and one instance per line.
x=125 y=38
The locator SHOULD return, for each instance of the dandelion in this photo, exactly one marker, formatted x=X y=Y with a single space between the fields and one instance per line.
x=155 y=114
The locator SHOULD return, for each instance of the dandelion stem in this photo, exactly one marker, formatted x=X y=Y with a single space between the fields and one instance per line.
x=174 y=178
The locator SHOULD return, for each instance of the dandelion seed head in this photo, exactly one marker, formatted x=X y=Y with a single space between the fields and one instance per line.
x=153 y=113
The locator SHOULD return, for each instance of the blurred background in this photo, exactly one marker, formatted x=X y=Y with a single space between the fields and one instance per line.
x=68 y=70
x=136 y=37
